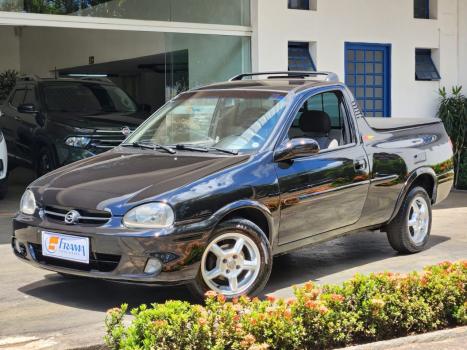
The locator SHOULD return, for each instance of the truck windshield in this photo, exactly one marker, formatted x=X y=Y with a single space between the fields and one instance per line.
x=87 y=98
x=231 y=120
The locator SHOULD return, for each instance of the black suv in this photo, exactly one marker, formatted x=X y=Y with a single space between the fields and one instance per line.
x=48 y=123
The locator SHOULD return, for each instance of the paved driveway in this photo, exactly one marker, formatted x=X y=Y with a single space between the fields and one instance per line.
x=48 y=311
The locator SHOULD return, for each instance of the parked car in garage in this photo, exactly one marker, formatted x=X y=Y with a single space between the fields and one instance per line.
x=52 y=122
x=224 y=177
x=3 y=167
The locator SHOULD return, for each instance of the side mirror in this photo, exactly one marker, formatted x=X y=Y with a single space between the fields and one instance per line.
x=27 y=108
x=296 y=148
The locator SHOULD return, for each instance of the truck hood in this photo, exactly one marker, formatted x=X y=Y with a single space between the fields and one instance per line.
x=119 y=178
x=107 y=120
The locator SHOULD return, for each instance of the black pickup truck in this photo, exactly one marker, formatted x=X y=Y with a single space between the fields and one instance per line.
x=49 y=123
x=226 y=176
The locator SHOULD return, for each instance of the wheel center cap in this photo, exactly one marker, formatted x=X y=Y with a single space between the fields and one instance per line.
x=231 y=264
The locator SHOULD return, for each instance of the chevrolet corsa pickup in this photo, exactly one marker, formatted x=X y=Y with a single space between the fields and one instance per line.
x=224 y=177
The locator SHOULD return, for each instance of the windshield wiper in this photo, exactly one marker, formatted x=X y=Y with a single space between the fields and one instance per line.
x=187 y=147
x=153 y=146
x=223 y=150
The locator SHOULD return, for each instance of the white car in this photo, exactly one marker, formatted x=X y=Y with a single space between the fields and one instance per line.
x=3 y=166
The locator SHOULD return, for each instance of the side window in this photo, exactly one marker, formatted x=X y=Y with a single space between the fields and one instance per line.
x=30 y=97
x=323 y=117
x=17 y=98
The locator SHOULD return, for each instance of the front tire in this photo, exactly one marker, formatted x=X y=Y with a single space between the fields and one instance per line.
x=237 y=261
x=409 y=231
x=3 y=187
x=45 y=161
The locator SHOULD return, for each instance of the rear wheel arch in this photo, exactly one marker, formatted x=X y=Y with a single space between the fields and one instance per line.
x=427 y=181
x=423 y=177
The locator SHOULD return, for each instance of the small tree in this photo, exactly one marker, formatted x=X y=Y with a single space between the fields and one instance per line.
x=7 y=83
x=453 y=112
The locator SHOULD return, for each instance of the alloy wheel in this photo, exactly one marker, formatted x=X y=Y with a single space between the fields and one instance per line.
x=231 y=264
x=418 y=220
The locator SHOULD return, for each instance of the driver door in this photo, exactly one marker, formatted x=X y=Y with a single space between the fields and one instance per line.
x=26 y=124
x=327 y=190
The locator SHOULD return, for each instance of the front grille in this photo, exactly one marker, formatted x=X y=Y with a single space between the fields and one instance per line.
x=90 y=217
x=97 y=261
x=107 y=139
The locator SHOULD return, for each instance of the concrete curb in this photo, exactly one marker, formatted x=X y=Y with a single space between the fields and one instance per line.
x=386 y=344
x=414 y=339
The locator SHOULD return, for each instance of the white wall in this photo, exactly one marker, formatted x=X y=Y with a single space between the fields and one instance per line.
x=371 y=21
x=462 y=16
x=9 y=51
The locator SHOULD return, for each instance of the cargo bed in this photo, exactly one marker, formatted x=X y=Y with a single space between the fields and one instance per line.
x=389 y=124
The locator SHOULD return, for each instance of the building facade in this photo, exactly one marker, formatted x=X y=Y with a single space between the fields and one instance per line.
x=394 y=55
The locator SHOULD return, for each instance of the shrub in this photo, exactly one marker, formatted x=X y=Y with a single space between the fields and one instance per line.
x=363 y=309
x=7 y=83
x=453 y=112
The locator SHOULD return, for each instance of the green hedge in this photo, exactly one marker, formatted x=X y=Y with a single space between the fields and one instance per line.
x=363 y=309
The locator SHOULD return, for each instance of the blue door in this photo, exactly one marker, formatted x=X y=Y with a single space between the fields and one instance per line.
x=368 y=75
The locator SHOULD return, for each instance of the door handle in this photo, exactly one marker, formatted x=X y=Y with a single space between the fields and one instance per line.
x=360 y=164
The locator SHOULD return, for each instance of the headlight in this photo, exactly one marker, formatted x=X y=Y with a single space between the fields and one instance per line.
x=151 y=215
x=77 y=141
x=28 y=203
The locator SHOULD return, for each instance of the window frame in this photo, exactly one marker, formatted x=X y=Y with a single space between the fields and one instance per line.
x=305 y=96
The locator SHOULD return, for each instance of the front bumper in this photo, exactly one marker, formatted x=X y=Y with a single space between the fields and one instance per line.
x=115 y=256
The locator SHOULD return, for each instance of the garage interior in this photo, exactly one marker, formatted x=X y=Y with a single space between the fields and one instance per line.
x=152 y=67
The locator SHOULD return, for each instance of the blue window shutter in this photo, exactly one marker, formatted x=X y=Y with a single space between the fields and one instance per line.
x=425 y=68
x=299 y=4
x=300 y=58
x=422 y=9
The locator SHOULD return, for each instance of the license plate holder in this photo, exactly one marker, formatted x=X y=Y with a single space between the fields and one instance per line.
x=65 y=247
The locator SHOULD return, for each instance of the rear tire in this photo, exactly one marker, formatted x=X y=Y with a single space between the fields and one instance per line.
x=237 y=261
x=409 y=231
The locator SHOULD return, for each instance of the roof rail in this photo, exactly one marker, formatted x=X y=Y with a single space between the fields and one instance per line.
x=330 y=76
x=28 y=77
